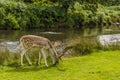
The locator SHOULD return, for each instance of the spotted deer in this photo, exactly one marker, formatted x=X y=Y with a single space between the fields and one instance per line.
x=31 y=41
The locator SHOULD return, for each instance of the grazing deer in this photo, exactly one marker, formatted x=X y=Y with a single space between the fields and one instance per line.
x=30 y=41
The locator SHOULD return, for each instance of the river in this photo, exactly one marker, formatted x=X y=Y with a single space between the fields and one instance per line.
x=10 y=39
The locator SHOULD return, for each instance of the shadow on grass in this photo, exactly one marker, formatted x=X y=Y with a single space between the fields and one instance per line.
x=26 y=68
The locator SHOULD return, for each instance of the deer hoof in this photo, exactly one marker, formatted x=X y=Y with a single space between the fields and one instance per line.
x=30 y=64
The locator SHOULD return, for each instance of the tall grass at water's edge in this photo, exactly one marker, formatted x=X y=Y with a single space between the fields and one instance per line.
x=79 y=46
x=83 y=46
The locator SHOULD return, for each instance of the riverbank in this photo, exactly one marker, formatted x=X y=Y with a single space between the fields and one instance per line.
x=102 y=65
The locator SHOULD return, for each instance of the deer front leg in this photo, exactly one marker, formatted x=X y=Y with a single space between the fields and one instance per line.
x=28 y=59
x=22 y=54
x=44 y=56
x=52 y=56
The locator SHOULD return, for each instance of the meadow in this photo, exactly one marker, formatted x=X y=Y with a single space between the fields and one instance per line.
x=101 y=65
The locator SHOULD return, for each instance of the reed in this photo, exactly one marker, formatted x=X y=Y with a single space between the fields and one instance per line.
x=83 y=46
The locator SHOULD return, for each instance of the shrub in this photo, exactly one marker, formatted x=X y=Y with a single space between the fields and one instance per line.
x=10 y=12
x=24 y=14
x=11 y=21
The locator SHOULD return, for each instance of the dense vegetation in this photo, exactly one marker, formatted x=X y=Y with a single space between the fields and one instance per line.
x=27 y=14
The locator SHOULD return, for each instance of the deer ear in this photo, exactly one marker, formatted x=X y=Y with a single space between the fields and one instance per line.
x=57 y=43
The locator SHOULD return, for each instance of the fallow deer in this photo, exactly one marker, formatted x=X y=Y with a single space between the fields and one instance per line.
x=30 y=41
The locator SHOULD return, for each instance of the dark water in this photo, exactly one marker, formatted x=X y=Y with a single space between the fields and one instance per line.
x=8 y=35
x=11 y=38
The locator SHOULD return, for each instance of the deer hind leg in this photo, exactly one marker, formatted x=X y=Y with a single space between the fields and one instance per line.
x=28 y=59
x=44 y=56
x=39 y=59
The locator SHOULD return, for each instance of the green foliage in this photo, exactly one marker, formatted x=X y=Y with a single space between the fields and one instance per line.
x=83 y=14
x=109 y=3
x=44 y=16
x=11 y=12
x=26 y=14
x=10 y=21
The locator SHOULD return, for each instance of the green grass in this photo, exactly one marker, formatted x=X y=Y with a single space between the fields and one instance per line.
x=96 y=66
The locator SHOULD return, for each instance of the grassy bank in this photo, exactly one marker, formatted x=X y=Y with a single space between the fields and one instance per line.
x=96 y=66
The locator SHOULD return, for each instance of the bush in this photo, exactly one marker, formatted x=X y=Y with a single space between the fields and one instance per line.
x=10 y=13
x=11 y=21
x=83 y=15
x=51 y=14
